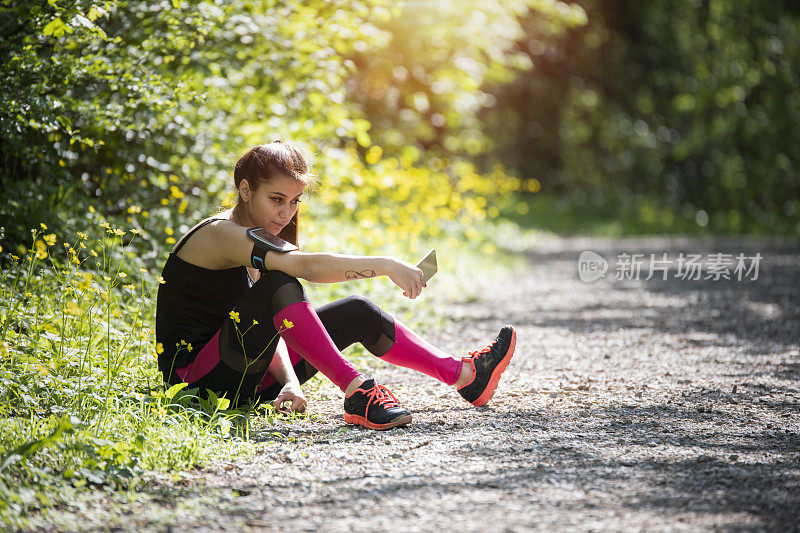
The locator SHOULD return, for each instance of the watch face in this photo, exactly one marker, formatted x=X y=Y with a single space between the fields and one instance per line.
x=270 y=239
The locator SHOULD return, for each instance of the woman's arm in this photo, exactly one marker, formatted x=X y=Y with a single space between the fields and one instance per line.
x=226 y=244
x=281 y=369
x=332 y=268
x=281 y=366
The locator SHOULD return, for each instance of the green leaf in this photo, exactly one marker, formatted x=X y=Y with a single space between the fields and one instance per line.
x=223 y=404
x=55 y=27
x=172 y=391
x=212 y=397
x=95 y=12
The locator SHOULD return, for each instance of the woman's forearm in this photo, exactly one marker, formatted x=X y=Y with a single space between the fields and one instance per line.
x=281 y=366
x=332 y=268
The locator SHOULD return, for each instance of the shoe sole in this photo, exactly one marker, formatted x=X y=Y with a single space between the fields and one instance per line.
x=488 y=392
x=361 y=421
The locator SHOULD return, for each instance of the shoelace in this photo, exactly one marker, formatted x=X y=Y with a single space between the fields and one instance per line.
x=382 y=396
x=483 y=350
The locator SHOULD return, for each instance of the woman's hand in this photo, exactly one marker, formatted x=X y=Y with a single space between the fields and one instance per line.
x=406 y=276
x=291 y=392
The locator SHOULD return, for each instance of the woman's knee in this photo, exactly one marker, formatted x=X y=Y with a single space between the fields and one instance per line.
x=359 y=307
x=271 y=280
x=279 y=289
x=367 y=312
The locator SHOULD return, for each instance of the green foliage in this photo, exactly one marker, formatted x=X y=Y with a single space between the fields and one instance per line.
x=687 y=106
x=85 y=110
x=422 y=90
x=75 y=341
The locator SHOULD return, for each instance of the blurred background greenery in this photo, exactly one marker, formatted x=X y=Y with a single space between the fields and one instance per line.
x=591 y=116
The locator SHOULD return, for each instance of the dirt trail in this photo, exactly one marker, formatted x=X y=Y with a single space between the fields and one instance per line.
x=629 y=405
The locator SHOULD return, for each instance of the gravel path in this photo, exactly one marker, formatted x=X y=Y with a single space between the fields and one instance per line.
x=629 y=405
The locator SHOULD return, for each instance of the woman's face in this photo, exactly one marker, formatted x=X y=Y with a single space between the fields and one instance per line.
x=273 y=204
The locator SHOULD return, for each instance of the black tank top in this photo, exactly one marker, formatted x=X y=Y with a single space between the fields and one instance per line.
x=192 y=305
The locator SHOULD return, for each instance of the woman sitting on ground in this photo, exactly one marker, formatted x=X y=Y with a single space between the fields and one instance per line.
x=233 y=318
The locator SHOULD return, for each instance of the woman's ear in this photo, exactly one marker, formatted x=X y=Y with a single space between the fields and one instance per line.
x=244 y=190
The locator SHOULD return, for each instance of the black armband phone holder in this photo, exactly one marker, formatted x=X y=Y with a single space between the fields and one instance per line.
x=263 y=242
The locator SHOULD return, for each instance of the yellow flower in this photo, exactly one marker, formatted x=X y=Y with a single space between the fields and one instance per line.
x=122 y=275
x=94 y=254
x=189 y=346
x=287 y=324
x=40 y=254
x=169 y=231
x=1 y=249
x=43 y=225
x=161 y=280
x=73 y=308
x=255 y=322
x=119 y=232
x=159 y=348
x=50 y=239
x=86 y=280
x=234 y=316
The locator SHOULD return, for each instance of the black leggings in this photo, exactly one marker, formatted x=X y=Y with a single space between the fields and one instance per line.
x=247 y=346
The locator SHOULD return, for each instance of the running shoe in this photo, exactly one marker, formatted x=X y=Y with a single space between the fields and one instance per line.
x=487 y=366
x=372 y=405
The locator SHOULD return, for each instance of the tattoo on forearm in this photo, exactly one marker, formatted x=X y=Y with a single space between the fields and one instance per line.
x=354 y=274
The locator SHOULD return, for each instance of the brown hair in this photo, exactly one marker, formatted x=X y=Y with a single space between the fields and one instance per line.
x=262 y=162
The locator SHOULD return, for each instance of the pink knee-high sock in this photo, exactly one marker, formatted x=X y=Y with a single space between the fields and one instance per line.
x=309 y=338
x=411 y=351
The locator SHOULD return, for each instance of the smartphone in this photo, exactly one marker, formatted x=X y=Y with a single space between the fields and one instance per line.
x=428 y=266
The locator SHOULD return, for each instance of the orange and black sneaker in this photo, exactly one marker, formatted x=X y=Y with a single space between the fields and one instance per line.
x=372 y=405
x=487 y=366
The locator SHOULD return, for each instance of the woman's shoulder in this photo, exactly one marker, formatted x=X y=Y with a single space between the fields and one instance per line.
x=202 y=244
x=214 y=221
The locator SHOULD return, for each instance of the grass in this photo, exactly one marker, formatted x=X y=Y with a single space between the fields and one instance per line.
x=637 y=215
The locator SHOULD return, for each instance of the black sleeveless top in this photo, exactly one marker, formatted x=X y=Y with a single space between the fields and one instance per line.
x=192 y=305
